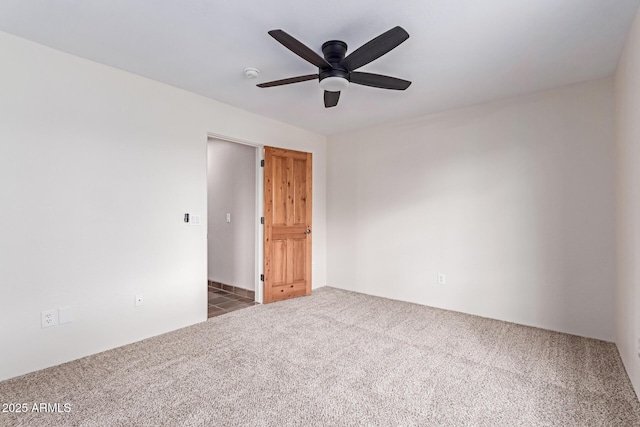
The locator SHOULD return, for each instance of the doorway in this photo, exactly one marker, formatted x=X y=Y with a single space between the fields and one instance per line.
x=233 y=214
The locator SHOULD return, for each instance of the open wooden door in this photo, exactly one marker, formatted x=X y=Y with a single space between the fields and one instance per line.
x=287 y=224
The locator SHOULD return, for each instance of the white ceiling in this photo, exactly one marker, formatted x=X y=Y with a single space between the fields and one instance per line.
x=460 y=52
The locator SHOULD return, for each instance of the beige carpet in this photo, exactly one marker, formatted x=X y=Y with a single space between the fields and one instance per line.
x=338 y=358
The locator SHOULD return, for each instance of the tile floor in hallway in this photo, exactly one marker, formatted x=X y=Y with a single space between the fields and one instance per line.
x=221 y=302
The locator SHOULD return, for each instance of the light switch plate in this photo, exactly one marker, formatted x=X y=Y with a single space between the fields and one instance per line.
x=228 y=217
x=139 y=300
x=65 y=315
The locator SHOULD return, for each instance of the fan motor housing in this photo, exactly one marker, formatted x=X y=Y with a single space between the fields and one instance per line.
x=334 y=51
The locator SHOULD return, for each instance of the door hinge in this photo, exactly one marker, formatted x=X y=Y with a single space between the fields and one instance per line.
x=262 y=277
x=262 y=163
x=261 y=220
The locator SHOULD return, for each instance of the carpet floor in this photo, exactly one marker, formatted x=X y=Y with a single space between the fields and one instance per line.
x=339 y=358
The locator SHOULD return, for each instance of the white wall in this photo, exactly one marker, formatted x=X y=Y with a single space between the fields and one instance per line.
x=627 y=92
x=512 y=200
x=97 y=168
x=231 y=170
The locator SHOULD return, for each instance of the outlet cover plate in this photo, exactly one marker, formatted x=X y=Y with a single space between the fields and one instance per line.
x=48 y=318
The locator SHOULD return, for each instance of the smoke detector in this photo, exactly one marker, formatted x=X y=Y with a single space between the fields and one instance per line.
x=251 y=73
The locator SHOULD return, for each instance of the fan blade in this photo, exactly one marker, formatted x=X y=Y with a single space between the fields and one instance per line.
x=375 y=48
x=289 y=81
x=331 y=98
x=299 y=49
x=377 y=80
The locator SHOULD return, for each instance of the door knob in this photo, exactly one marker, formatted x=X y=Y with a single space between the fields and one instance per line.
x=308 y=231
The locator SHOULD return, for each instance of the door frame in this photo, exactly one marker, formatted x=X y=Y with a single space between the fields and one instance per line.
x=259 y=209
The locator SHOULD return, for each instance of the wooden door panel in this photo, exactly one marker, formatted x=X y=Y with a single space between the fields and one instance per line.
x=300 y=192
x=289 y=291
x=287 y=238
x=298 y=256
x=280 y=180
x=284 y=232
x=280 y=262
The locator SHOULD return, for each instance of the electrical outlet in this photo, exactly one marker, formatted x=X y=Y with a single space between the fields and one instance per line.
x=442 y=279
x=195 y=220
x=139 y=300
x=48 y=318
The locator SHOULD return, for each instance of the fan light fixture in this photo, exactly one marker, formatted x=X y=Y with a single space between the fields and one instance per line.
x=336 y=71
x=334 y=84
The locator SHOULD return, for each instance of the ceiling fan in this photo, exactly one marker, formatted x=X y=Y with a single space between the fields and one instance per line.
x=335 y=71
